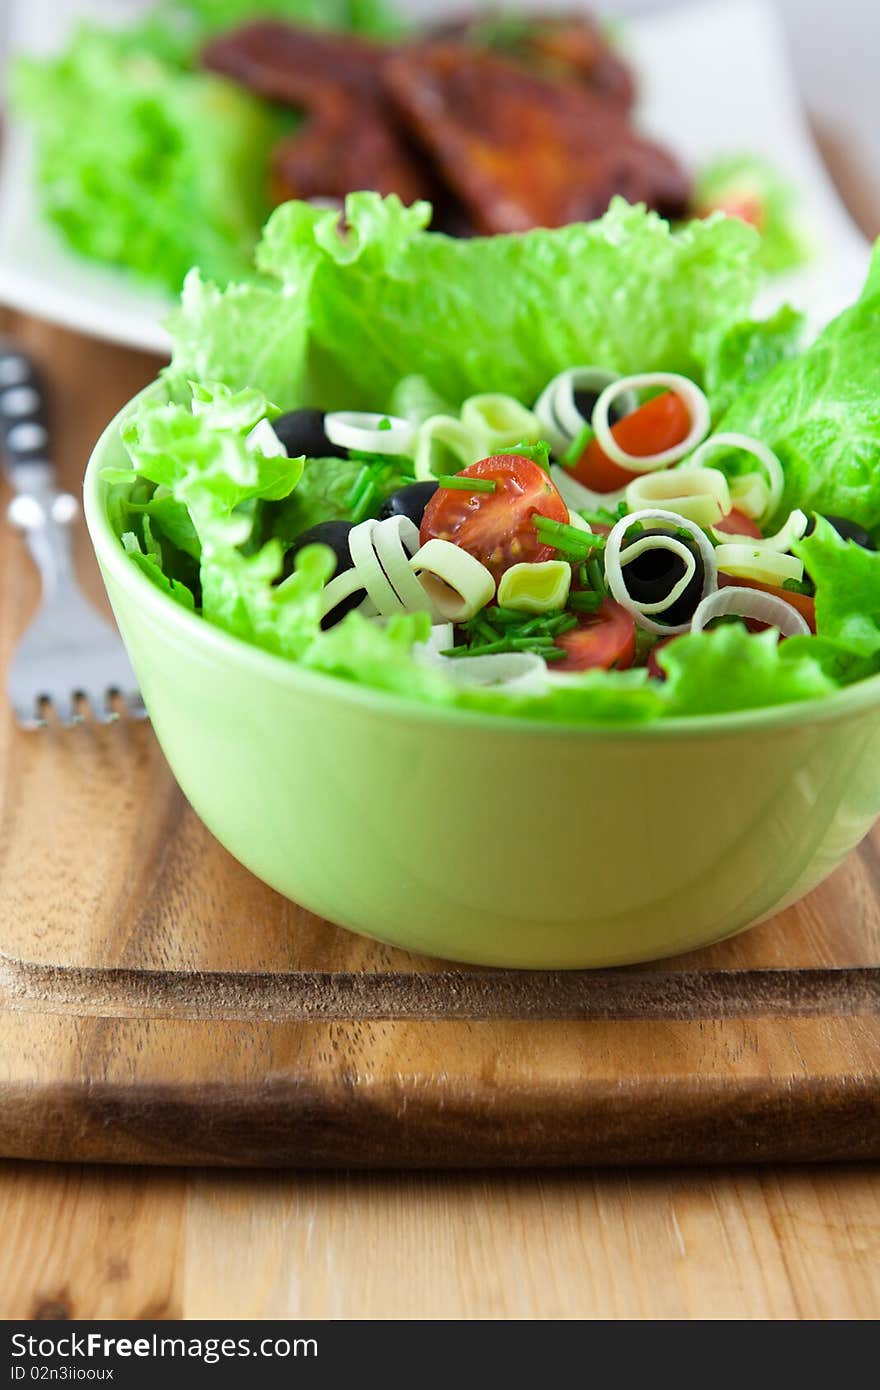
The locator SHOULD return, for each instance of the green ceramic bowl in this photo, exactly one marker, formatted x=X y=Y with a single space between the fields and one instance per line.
x=498 y=842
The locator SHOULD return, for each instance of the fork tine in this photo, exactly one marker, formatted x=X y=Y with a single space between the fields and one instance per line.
x=64 y=708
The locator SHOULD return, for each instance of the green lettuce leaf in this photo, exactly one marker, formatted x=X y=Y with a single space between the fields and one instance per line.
x=145 y=166
x=732 y=669
x=847 y=580
x=144 y=162
x=381 y=657
x=820 y=412
x=322 y=494
x=390 y=300
x=738 y=180
x=148 y=557
x=615 y=698
x=739 y=356
x=202 y=459
x=239 y=595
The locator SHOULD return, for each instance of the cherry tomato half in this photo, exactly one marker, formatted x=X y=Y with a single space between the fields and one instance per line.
x=602 y=640
x=804 y=604
x=656 y=426
x=748 y=207
x=496 y=527
x=738 y=524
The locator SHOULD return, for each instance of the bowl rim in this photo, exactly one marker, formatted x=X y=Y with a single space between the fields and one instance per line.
x=849 y=701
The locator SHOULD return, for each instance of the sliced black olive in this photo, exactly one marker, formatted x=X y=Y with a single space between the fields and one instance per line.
x=848 y=530
x=409 y=501
x=335 y=534
x=302 y=432
x=586 y=404
x=655 y=573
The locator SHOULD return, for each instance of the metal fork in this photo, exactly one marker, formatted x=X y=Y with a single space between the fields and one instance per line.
x=69 y=661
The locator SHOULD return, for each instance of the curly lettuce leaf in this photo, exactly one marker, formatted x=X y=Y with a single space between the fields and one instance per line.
x=146 y=166
x=381 y=657
x=201 y=457
x=322 y=494
x=745 y=353
x=351 y=316
x=820 y=412
x=614 y=698
x=731 y=669
x=146 y=163
x=240 y=595
x=389 y=299
x=147 y=555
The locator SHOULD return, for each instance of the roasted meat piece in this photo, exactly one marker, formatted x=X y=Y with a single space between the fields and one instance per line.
x=350 y=139
x=568 y=47
x=521 y=150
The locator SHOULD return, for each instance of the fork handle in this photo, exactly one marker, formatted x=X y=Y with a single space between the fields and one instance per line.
x=39 y=510
x=24 y=420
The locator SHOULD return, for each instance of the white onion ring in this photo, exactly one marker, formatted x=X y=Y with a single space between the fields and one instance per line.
x=745 y=561
x=263 y=439
x=746 y=445
x=794 y=529
x=614 y=569
x=557 y=411
x=395 y=541
x=340 y=588
x=750 y=494
x=446 y=429
x=517 y=422
x=370 y=573
x=751 y=603
x=675 y=547
x=520 y=673
x=439 y=640
x=353 y=429
x=700 y=494
x=456 y=583
x=682 y=386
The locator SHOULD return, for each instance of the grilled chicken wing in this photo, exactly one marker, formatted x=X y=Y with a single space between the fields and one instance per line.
x=568 y=47
x=350 y=139
x=521 y=150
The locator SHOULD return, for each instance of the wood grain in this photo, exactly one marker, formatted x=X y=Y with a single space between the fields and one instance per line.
x=790 y=1243
x=159 y=1005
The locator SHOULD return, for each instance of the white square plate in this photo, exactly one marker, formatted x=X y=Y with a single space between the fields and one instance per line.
x=715 y=79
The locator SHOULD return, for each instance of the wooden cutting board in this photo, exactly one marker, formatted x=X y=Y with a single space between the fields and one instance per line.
x=159 y=1005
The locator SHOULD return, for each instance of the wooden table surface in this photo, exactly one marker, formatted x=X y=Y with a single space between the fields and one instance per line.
x=86 y=1242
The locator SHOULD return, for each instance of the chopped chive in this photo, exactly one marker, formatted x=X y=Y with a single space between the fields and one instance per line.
x=457 y=484
x=365 y=503
x=538 y=453
x=577 y=446
x=486 y=631
x=568 y=540
x=555 y=654
x=486 y=649
x=585 y=602
x=567 y=623
x=358 y=486
x=384 y=424
x=596 y=577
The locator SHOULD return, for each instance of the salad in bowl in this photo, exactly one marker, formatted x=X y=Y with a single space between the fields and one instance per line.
x=550 y=500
